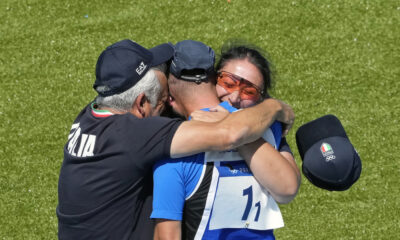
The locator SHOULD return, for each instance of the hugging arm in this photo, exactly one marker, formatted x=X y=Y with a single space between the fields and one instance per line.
x=236 y=129
x=275 y=171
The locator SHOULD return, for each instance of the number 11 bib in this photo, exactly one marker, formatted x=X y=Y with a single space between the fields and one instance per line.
x=241 y=202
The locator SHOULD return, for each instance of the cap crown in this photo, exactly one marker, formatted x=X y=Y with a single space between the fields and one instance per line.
x=329 y=159
x=123 y=64
x=192 y=55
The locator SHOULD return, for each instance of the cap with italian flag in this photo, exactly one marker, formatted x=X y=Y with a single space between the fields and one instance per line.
x=330 y=161
x=325 y=147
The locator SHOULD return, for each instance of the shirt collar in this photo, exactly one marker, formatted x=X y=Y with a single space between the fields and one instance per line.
x=99 y=113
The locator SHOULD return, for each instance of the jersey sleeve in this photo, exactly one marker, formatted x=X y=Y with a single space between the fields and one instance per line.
x=169 y=190
x=174 y=181
x=148 y=139
x=284 y=146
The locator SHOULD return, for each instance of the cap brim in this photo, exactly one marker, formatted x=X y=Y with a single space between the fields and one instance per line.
x=162 y=53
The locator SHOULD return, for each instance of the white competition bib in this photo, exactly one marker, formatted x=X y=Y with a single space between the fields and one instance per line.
x=241 y=202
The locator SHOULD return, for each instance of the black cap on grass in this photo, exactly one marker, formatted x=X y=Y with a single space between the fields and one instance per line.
x=329 y=159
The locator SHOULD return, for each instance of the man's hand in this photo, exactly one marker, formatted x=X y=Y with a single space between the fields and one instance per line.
x=214 y=115
x=286 y=117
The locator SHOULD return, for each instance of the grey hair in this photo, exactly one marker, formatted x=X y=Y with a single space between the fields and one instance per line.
x=163 y=67
x=149 y=85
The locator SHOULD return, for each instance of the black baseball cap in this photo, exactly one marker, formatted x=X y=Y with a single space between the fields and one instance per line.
x=330 y=161
x=124 y=63
x=193 y=61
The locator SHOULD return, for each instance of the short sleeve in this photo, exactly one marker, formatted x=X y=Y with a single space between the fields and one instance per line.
x=174 y=181
x=147 y=139
x=169 y=190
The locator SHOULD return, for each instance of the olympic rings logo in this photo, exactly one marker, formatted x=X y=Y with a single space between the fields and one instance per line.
x=330 y=158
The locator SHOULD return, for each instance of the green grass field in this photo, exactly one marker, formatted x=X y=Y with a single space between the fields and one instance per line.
x=330 y=57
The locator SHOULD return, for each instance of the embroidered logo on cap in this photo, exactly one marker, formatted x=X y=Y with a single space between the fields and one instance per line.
x=141 y=68
x=327 y=152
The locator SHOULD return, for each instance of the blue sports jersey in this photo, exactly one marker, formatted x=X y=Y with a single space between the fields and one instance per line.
x=215 y=195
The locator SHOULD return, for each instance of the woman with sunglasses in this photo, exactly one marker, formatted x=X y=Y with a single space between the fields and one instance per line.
x=243 y=78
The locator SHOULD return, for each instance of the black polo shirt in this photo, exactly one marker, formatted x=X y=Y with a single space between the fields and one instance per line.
x=105 y=184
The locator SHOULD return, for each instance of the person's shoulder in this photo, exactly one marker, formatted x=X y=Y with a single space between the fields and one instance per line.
x=185 y=167
x=85 y=111
x=147 y=121
x=195 y=159
x=152 y=118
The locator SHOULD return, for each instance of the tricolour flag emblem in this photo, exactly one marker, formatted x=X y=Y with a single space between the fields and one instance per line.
x=325 y=147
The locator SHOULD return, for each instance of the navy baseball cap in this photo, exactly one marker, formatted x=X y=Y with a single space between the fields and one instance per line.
x=124 y=63
x=193 y=61
x=329 y=159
